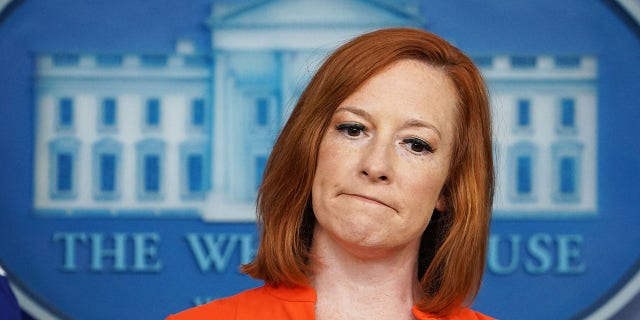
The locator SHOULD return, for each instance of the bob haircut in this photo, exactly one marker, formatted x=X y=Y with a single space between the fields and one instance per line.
x=452 y=252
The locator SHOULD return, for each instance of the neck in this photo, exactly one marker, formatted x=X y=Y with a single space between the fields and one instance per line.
x=354 y=283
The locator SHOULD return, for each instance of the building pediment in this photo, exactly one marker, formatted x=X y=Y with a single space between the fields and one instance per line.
x=303 y=24
x=311 y=13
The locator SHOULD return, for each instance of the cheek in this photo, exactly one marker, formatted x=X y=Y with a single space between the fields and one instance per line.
x=324 y=166
x=335 y=157
x=428 y=184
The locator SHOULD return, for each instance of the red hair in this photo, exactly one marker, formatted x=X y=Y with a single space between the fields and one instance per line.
x=452 y=254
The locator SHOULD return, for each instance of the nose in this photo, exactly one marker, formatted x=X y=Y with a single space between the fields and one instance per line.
x=377 y=162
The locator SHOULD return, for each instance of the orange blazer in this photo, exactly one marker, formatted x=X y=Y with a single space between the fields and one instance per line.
x=283 y=303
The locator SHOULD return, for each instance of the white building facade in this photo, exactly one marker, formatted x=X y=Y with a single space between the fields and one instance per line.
x=544 y=113
x=189 y=134
x=122 y=134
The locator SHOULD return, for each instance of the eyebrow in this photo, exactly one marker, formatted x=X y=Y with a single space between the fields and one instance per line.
x=408 y=124
x=422 y=124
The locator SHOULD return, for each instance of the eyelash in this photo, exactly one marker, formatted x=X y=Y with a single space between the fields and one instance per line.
x=417 y=145
x=421 y=144
x=351 y=127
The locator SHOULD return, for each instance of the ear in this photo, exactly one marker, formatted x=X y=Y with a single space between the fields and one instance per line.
x=441 y=204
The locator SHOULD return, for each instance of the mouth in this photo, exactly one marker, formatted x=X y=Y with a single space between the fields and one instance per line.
x=369 y=199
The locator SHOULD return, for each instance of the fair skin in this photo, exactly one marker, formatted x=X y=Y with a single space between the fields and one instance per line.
x=381 y=167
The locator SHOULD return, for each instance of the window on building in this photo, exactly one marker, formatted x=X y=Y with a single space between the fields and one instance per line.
x=65 y=114
x=106 y=169
x=109 y=113
x=483 y=61
x=567 y=171
x=523 y=178
x=150 y=169
x=260 y=162
x=262 y=111
x=567 y=61
x=195 y=172
x=109 y=60
x=65 y=59
x=194 y=169
x=63 y=163
x=107 y=172
x=567 y=115
x=523 y=62
x=524 y=113
x=522 y=172
x=153 y=60
x=65 y=172
x=152 y=114
x=567 y=175
x=197 y=113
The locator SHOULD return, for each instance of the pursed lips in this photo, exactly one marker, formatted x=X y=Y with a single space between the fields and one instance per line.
x=370 y=199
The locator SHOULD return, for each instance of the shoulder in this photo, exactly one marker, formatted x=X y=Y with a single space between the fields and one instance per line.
x=252 y=303
x=222 y=309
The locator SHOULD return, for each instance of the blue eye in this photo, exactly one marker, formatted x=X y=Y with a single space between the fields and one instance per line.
x=418 y=145
x=351 y=129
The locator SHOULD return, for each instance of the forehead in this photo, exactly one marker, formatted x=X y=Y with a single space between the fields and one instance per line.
x=408 y=86
x=424 y=73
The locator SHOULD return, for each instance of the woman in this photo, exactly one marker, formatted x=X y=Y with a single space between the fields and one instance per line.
x=376 y=200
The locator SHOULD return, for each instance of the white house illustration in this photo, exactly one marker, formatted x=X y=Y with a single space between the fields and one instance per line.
x=188 y=133
x=544 y=113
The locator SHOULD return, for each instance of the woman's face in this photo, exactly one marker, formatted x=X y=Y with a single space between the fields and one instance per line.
x=384 y=159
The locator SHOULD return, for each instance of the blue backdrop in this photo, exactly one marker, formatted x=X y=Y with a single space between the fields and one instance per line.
x=153 y=242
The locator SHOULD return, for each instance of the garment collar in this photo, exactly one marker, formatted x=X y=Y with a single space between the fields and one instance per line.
x=294 y=294
x=305 y=293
